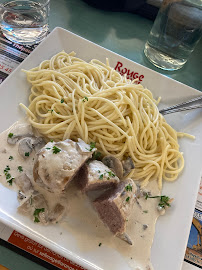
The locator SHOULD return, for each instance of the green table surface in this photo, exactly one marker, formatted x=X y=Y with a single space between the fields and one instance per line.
x=123 y=33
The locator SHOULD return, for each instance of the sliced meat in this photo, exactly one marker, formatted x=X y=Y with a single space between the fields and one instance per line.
x=115 y=206
x=96 y=176
x=57 y=163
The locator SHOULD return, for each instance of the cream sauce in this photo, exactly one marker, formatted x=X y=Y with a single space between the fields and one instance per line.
x=140 y=226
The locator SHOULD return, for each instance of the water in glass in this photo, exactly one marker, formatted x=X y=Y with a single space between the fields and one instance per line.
x=25 y=22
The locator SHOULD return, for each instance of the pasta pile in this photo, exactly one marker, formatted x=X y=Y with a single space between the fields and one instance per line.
x=71 y=98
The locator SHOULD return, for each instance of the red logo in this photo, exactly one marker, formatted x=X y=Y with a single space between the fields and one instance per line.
x=130 y=74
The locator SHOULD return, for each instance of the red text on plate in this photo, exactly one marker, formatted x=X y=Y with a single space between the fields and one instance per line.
x=129 y=74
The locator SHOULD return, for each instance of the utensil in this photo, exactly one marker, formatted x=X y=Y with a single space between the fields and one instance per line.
x=194 y=103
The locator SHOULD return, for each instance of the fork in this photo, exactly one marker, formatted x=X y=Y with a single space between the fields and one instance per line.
x=188 y=105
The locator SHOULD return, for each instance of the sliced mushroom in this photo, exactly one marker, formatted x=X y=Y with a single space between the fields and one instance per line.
x=21 y=196
x=114 y=164
x=128 y=166
x=32 y=203
x=25 y=147
x=38 y=143
x=57 y=213
x=24 y=184
x=27 y=144
x=18 y=132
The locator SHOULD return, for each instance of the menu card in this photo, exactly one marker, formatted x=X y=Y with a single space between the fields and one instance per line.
x=11 y=55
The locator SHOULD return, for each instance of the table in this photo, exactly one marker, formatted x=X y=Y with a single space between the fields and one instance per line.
x=123 y=33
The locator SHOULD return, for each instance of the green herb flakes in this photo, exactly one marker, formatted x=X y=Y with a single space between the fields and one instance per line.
x=92 y=146
x=8 y=176
x=62 y=100
x=101 y=176
x=97 y=155
x=100 y=244
x=85 y=99
x=129 y=187
x=10 y=135
x=164 y=200
x=111 y=174
x=10 y=181
x=37 y=211
x=6 y=169
x=26 y=154
x=127 y=199
x=56 y=150
x=20 y=169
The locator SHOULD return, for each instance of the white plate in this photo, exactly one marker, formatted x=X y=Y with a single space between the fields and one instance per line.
x=172 y=230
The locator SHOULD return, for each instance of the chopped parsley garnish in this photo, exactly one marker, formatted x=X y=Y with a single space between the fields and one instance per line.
x=37 y=211
x=92 y=146
x=97 y=155
x=111 y=174
x=6 y=169
x=36 y=219
x=127 y=199
x=99 y=171
x=10 y=135
x=164 y=200
x=51 y=111
x=52 y=140
x=85 y=99
x=129 y=187
x=8 y=176
x=62 y=100
x=10 y=158
x=27 y=154
x=100 y=244
x=145 y=211
x=48 y=148
x=20 y=169
x=56 y=150
x=10 y=181
x=101 y=177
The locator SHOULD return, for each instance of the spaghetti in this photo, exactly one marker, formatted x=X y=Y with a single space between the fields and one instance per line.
x=71 y=98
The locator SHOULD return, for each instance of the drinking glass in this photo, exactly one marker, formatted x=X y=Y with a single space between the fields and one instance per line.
x=24 y=21
x=175 y=33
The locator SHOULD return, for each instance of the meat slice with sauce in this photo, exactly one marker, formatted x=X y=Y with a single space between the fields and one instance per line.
x=115 y=206
x=57 y=163
x=96 y=176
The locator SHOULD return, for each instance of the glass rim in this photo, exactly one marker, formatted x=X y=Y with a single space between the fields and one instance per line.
x=23 y=10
